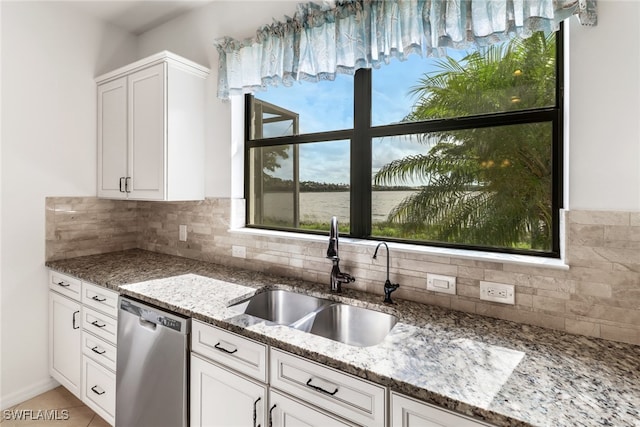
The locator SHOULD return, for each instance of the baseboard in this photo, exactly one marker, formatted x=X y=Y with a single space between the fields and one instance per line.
x=27 y=393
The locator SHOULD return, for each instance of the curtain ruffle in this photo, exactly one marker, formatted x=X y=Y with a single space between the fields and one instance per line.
x=341 y=36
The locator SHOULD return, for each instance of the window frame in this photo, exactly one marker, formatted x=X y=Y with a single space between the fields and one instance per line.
x=363 y=133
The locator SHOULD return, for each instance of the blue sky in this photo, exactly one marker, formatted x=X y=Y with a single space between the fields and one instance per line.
x=328 y=105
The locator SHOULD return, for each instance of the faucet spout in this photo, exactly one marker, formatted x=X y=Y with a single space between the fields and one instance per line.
x=332 y=250
x=388 y=286
x=337 y=277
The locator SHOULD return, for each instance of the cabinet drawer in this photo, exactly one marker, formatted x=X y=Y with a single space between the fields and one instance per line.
x=355 y=399
x=99 y=350
x=66 y=285
x=406 y=411
x=100 y=324
x=237 y=352
x=100 y=298
x=99 y=389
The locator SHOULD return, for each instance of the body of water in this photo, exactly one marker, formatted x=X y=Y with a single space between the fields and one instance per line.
x=320 y=207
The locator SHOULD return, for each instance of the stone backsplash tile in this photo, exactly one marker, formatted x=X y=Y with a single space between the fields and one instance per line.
x=78 y=226
x=598 y=295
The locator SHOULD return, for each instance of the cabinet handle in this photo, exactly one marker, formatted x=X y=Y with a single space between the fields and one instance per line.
x=95 y=350
x=120 y=184
x=217 y=346
x=271 y=415
x=97 y=298
x=99 y=393
x=255 y=412
x=315 y=387
x=96 y=324
x=127 y=180
x=64 y=285
x=73 y=320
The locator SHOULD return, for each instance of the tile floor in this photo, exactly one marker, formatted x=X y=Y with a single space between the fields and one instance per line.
x=58 y=407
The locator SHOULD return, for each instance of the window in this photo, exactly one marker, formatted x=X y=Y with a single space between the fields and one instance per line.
x=463 y=151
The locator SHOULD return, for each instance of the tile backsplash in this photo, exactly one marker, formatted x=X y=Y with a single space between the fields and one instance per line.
x=599 y=295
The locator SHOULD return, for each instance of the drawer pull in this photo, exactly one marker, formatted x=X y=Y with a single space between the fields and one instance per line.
x=97 y=325
x=315 y=387
x=120 y=186
x=99 y=393
x=64 y=285
x=255 y=412
x=97 y=298
x=73 y=320
x=217 y=346
x=97 y=349
x=271 y=415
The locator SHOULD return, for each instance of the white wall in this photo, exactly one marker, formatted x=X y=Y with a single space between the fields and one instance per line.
x=50 y=54
x=605 y=110
x=604 y=164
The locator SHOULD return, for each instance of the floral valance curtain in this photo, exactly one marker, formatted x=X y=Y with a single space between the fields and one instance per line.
x=341 y=36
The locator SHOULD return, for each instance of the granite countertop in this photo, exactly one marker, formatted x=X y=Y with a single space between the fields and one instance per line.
x=503 y=372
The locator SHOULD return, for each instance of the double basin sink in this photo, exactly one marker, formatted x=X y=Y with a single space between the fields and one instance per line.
x=336 y=321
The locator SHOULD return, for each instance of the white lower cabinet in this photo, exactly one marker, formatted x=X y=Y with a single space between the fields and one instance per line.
x=229 y=375
x=82 y=341
x=64 y=341
x=409 y=412
x=220 y=397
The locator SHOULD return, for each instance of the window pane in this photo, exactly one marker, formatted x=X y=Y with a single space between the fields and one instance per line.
x=479 y=187
x=300 y=186
x=303 y=108
x=501 y=78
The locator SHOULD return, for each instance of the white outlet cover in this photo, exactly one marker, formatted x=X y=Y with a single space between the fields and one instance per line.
x=182 y=233
x=441 y=283
x=497 y=292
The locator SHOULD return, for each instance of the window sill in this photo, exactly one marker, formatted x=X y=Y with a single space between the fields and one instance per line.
x=525 y=260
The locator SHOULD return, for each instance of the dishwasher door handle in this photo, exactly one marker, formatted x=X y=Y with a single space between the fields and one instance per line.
x=147 y=324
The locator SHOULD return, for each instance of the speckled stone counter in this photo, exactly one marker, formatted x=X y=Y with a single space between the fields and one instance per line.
x=505 y=373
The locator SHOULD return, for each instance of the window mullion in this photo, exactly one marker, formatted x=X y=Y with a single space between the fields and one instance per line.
x=361 y=156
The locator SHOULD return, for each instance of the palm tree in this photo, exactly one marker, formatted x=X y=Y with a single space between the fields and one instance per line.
x=484 y=186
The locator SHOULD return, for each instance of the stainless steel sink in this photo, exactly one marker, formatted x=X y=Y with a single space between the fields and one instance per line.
x=279 y=306
x=348 y=324
x=340 y=322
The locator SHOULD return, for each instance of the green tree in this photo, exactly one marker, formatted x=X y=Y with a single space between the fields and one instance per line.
x=484 y=186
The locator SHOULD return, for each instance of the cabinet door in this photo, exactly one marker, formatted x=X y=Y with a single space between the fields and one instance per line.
x=287 y=412
x=147 y=134
x=112 y=138
x=64 y=342
x=220 y=397
x=408 y=412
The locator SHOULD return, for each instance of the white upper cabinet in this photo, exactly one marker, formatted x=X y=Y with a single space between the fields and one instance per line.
x=151 y=130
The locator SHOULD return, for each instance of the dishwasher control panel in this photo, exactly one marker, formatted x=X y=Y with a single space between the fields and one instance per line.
x=154 y=316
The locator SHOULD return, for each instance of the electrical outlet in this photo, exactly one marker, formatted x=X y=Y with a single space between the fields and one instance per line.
x=182 y=233
x=497 y=292
x=239 y=251
x=440 y=283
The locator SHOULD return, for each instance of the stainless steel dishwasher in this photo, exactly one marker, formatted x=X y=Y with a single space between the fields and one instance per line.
x=152 y=367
